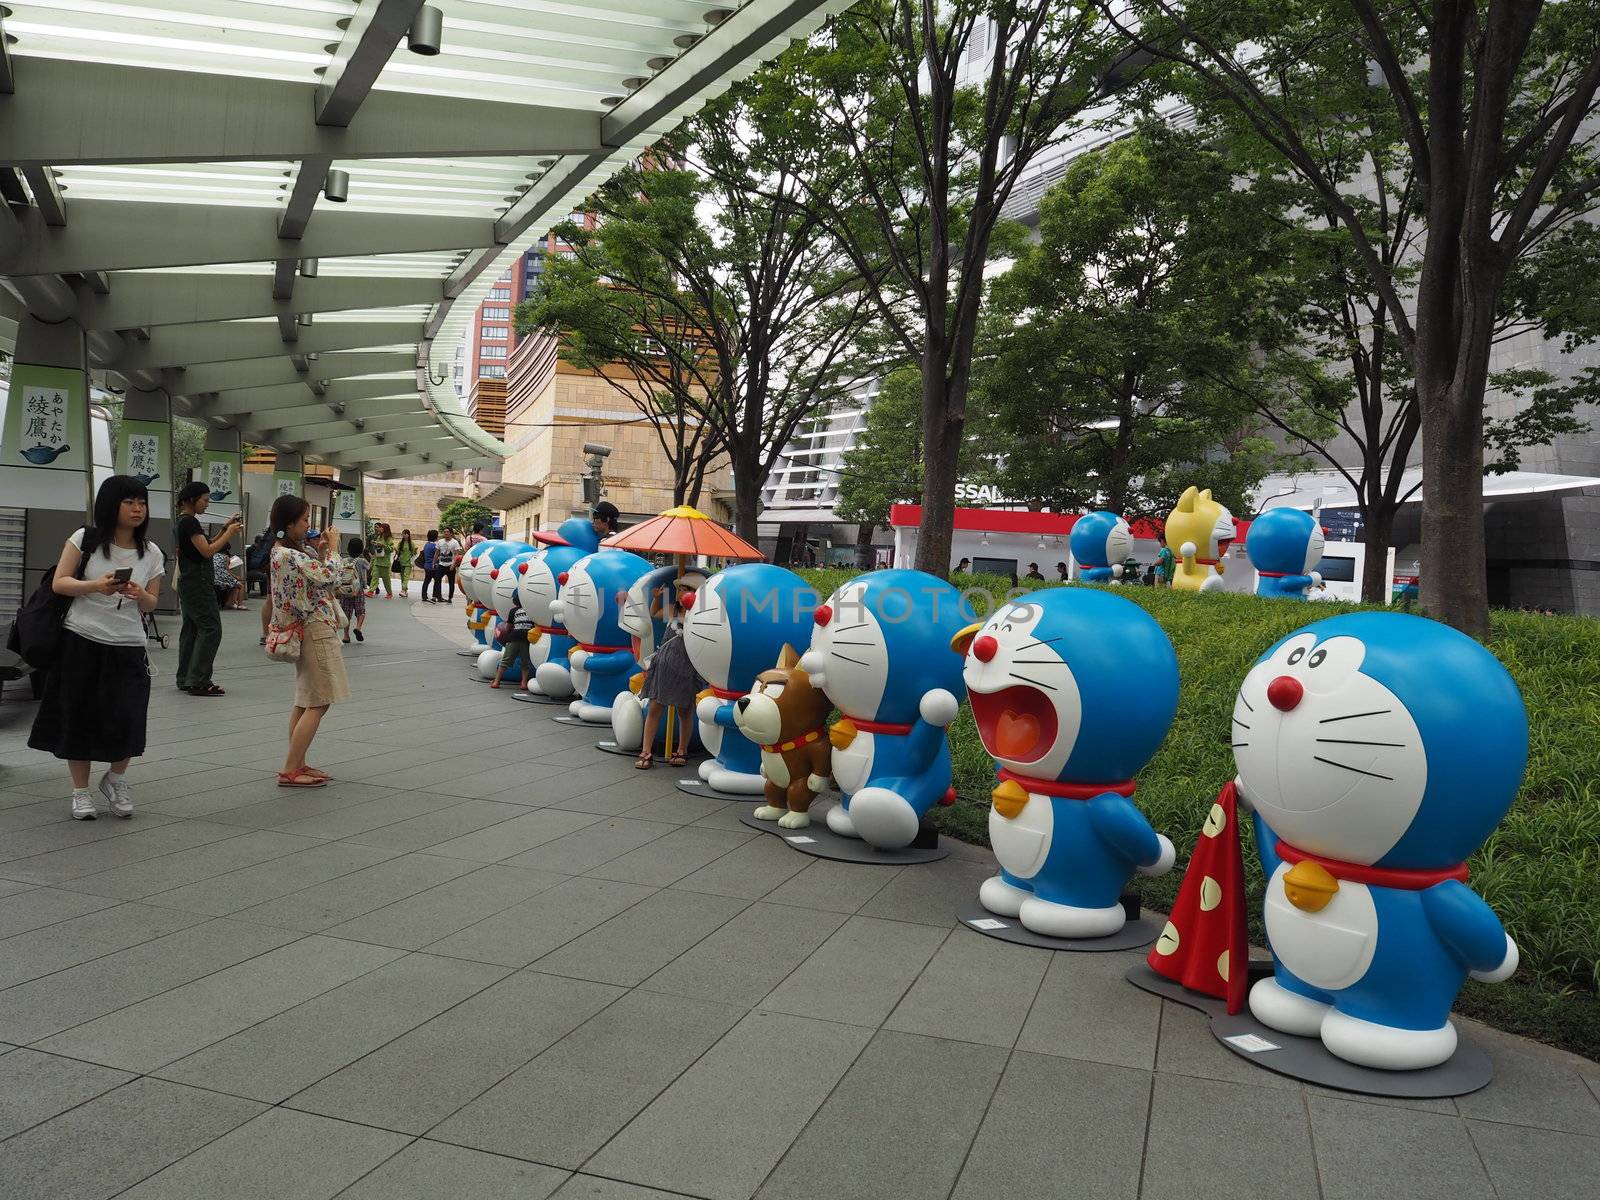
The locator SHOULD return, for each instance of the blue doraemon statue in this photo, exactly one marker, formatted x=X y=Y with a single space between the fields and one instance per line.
x=590 y=606
x=881 y=651
x=1377 y=751
x=653 y=606
x=1283 y=545
x=740 y=621
x=537 y=592
x=1100 y=542
x=1072 y=691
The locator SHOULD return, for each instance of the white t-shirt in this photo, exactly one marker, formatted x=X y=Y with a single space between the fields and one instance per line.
x=97 y=616
x=449 y=551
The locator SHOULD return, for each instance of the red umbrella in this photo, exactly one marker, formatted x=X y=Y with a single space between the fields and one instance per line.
x=682 y=530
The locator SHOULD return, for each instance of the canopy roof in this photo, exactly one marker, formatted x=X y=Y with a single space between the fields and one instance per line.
x=163 y=166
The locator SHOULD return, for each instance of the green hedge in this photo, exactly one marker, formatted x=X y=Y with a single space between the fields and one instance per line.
x=1540 y=870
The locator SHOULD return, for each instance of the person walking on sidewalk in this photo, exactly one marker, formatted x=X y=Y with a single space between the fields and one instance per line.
x=405 y=554
x=430 y=571
x=201 y=632
x=97 y=691
x=445 y=563
x=304 y=576
x=352 y=590
x=383 y=562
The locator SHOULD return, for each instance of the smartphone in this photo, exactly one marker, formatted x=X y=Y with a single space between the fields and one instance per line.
x=123 y=574
x=313 y=534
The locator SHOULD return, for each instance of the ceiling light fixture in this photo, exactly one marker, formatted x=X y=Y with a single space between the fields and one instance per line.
x=426 y=35
x=336 y=187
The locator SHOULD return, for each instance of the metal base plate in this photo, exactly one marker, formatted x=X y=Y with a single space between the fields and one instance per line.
x=1306 y=1059
x=817 y=840
x=569 y=719
x=692 y=786
x=1136 y=933
x=539 y=698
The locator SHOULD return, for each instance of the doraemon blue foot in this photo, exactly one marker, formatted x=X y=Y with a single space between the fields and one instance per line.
x=1072 y=692
x=1377 y=752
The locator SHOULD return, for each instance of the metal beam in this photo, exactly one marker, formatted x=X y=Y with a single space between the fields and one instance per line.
x=110 y=235
x=308 y=183
x=261 y=372
x=47 y=195
x=319 y=438
x=283 y=274
x=138 y=299
x=8 y=79
x=259 y=400
x=368 y=41
x=223 y=341
x=383 y=406
x=67 y=112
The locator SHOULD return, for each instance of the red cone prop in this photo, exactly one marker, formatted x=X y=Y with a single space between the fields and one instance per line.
x=1203 y=946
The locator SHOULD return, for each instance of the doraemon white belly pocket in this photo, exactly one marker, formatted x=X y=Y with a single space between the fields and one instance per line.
x=852 y=765
x=1330 y=949
x=1022 y=843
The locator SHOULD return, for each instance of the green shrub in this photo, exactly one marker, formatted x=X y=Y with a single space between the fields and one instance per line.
x=1540 y=870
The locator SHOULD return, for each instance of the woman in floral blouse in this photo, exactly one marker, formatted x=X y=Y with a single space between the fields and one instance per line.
x=303 y=578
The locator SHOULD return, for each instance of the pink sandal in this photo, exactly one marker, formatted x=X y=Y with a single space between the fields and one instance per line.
x=300 y=779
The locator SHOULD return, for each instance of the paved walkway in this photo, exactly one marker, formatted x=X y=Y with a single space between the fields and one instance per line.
x=494 y=962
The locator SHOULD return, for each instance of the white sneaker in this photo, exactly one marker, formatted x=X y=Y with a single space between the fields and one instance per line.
x=83 y=808
x=119 y=796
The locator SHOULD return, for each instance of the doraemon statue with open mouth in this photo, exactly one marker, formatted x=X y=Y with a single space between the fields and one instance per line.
x=1377 y=751
x=881 y=650
x=1073 y=691
x=591 y=608
x=739 y=622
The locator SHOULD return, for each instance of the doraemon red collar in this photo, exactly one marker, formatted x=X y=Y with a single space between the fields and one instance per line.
x=1069 y=791
x=896 y=728
x=593 y=649
x=1408 y=879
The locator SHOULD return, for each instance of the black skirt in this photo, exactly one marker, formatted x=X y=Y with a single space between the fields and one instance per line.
x=95 y=701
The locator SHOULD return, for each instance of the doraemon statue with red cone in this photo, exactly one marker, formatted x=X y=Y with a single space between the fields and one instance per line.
x=881 y=651
x=1376 y=752
x=1073 y=691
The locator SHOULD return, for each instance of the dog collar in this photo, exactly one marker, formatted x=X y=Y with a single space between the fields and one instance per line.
x=1071 y=791
x=804 y=739
x=1405 y=878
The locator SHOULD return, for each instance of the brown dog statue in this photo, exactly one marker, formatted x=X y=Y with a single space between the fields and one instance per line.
x=785 y=716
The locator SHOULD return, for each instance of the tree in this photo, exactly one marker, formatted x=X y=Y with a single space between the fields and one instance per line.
x=1123 y=349
x=463 y=514
x=911 y=167
x=1494 y=102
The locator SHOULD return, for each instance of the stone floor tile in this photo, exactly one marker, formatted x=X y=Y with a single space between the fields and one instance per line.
x=86 y=1154
x=287 y=1053
x=975 y=988
x=427 y=1170
x=543 y=923
x=164 y=1028
x=353 y=820
x=930 y=894
x=35 y=1087
x=1528 y=1163
x=145 y=840
x=1070 y=1130
x=225 y=894
x=420 y=1078
x=1197 y=1127
x=482 y=784
x=591 y=846
x=1185 y=1046
x=1086 y=1009
x=1532 y=1088
x=750 y=870
x=593 y=1187
x=68 y=943
x=190 y=866
x=278 y=807
x=508 y=838
x=867 y=1142
x=860 y=973
x=725 y=1123
x=69 y=997
x=680 y=808
x=635 y=944
x=325 y=905
x=1366 y=1150
x=49 y=811
x=280 y=1155
x=749 y=956
x=451 y=906
x=670 y=857
x=831 y=886
x=441 y=824
x=568 y=1102
x=30 y=908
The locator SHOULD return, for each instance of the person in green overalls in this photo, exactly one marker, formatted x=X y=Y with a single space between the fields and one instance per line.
x=201 y=632
x=406 y=552
x=382 y=547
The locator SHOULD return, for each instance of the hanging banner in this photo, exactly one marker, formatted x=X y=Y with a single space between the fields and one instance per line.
x=348 y=511
x=144 y=450
x=220 y=471
x=44 y=449
x=287 y=483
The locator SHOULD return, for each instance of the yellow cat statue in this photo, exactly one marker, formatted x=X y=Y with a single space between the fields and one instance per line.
x=1198 y=532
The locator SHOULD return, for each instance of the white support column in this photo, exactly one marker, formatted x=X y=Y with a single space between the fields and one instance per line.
x=222 y=470
x=350 y=508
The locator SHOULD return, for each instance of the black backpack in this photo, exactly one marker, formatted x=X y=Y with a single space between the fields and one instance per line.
x=39 y=621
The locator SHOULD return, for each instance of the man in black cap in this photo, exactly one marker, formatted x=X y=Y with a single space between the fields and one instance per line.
x=604 y=519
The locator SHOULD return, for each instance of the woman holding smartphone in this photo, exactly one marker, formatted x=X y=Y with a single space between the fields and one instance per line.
x=97 y=692
x=304 y=572
x=201 y=633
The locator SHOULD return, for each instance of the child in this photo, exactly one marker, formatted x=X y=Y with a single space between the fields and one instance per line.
x=514 y=633
x=353 y=599
x=669 y=682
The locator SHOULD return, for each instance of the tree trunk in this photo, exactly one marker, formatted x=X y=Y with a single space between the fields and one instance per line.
x=1377 y=534
x=941 y=454
x=864 y=555
x=1454 y=584
x=747 y=484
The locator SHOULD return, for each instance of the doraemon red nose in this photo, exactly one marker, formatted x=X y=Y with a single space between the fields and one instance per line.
x=984 y=648
x=562 y=579
x=823 y=615
x=1285 y=692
